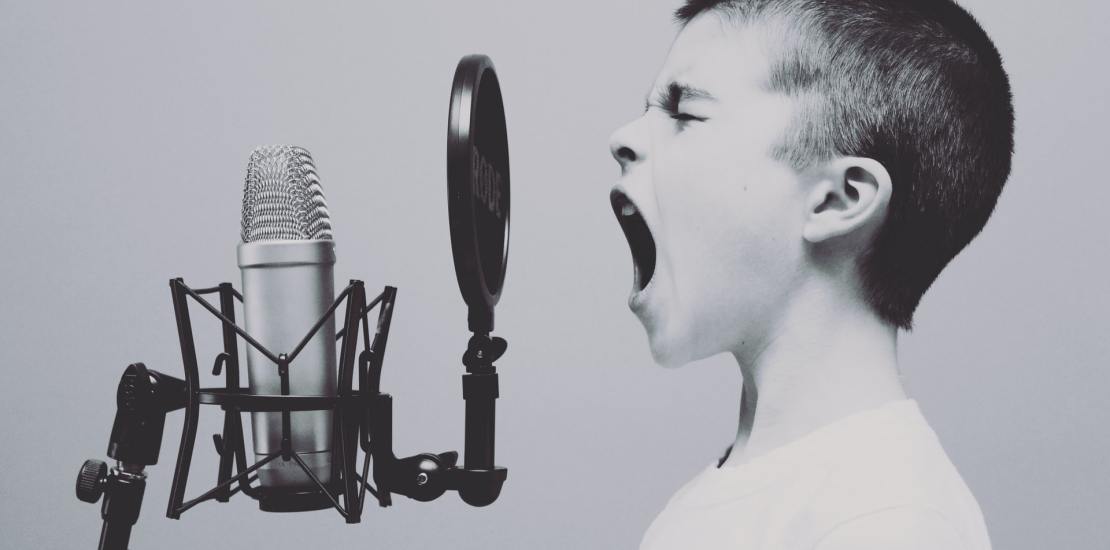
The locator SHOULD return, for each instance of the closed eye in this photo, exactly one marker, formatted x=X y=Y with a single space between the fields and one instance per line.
x=684 y=117
x=673 y=112
x=669 y=100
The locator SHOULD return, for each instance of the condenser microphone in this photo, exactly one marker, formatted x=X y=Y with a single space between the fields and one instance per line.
x=287 y=258
x=309 y=422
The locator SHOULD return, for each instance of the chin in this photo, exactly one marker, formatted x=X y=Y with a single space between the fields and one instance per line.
x=665 y=358
x=676 y=345
x=672 y=351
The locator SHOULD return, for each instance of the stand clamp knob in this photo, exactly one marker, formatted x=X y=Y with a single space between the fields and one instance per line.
x=91 y=480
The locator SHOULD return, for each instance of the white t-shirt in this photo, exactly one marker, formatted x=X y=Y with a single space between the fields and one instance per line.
x=877 y=479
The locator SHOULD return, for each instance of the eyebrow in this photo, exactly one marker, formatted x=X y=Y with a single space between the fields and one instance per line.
x=670 y=96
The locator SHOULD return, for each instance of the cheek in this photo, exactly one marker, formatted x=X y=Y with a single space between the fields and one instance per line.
x=764 y=239
x=735 y=239
x=718 y=206
x=697 y=188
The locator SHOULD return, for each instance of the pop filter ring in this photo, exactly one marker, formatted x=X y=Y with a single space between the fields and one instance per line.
x=478 y=187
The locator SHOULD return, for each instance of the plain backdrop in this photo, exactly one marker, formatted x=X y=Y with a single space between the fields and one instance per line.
x=125 y=130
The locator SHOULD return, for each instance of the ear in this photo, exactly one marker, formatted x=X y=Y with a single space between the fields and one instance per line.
x=851 y=194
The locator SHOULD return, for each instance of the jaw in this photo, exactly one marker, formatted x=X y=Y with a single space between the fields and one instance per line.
x=672 y=340
x=667 y=349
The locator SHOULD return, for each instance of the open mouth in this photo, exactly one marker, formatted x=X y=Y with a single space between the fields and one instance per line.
x=638 y=235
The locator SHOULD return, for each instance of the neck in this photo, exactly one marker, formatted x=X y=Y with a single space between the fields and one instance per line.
x=828 y=357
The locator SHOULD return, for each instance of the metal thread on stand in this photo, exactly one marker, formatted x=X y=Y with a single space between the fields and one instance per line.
x=122 y=501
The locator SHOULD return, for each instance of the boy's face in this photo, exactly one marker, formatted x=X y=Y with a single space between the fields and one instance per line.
x=725 y=217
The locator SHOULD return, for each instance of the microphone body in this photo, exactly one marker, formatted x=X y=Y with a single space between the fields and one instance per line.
x=287 y=259
x=287 y=286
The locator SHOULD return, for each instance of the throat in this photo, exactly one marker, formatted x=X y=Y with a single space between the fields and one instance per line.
x=802 y=383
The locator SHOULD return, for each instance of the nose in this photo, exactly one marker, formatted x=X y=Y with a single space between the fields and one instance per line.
x=626 y=147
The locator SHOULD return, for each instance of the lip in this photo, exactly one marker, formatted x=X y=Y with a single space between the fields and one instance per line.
x=638 y=299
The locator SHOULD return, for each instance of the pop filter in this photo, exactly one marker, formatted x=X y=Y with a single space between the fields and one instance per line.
x=478 y=187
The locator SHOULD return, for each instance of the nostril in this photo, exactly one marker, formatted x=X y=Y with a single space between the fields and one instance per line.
x=626 y=154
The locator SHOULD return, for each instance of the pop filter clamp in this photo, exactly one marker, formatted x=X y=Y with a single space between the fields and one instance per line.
x=478 y=202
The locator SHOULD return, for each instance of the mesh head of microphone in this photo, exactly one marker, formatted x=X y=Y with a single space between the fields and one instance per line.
x=282 y=197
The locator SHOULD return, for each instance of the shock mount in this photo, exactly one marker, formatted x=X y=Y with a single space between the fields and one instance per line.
x=363 y=419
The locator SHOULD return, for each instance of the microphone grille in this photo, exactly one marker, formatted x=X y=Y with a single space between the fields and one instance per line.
x=282 y=197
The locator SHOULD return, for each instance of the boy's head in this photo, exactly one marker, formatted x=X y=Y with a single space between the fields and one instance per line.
x=795 y=146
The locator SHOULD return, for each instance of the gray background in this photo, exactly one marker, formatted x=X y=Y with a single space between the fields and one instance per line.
x=125 y=130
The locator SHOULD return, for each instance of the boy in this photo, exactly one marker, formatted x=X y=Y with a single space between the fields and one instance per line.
x=803 y=171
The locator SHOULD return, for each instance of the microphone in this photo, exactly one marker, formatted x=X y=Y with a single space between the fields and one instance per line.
x=301 y=399
x=287 y=258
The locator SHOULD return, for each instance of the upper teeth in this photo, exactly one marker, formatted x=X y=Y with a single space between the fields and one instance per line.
x=628 y=210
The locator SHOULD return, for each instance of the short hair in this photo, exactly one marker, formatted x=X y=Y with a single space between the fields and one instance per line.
x=916 y=85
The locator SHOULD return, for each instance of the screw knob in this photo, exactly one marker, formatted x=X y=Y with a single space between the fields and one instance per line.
x=90 y=480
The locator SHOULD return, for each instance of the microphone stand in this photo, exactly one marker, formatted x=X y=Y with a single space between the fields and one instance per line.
x=142 y=400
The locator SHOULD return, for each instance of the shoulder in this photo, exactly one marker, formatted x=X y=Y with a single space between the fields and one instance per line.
x=894 y=481
x=898 y=528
